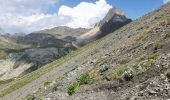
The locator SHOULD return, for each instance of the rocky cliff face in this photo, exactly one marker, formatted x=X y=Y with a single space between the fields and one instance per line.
x=112 y=21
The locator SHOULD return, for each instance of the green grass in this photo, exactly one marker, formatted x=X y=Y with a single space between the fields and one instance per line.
x=73 y=88
x=84 y=79
x=46 y=83
x=119 y=71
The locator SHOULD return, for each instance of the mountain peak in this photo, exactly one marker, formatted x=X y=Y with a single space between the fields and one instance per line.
x=115 y=11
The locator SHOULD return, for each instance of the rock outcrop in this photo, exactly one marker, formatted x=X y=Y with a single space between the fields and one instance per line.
x=114 y=19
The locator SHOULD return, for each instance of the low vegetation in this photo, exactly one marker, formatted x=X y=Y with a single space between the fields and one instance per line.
x=83 y=79
x=157 y=45
x=73 y=88
x=5 y=81
x=144 y=34
x=46 y=83
x=119 y=71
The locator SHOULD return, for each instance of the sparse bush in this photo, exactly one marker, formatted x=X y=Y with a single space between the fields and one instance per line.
x=73 y=88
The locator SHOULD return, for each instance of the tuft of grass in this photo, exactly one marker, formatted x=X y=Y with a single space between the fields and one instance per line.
x=73 y=88
x=108 y=77
x=46 y=83
x=31 y=97
x=142 y=65
x=84 y=79
x=135 y=67
x=143 y=35
x=119 y=71
x=157 y=45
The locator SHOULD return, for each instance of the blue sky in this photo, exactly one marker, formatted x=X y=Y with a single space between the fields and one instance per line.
x=34 y=15
x=132 y=8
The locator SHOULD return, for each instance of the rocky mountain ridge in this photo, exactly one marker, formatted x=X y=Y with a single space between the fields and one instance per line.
x=113 y=20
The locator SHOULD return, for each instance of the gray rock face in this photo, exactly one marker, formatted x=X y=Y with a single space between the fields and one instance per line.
x=112 y=21
x=41 y=40
x=38 y=56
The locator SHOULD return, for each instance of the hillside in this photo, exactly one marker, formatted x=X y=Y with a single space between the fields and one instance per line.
x=47 y=45
x=132 y=62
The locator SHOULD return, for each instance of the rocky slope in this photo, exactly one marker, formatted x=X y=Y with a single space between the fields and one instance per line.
x=132 y=63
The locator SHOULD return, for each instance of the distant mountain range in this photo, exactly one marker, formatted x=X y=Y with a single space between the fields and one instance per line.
x=42 y=47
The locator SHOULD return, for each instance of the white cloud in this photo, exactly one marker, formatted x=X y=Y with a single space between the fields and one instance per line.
x=166 y=1
x=85 y=14
x=31 y=15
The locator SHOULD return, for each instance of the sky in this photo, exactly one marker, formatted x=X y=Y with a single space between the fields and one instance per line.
x=32 y=15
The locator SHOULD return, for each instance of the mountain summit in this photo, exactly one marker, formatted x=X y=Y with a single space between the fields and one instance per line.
x=113 y=20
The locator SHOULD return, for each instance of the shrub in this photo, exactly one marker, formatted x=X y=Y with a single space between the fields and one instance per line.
x=84 y=79
x=73 y=88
